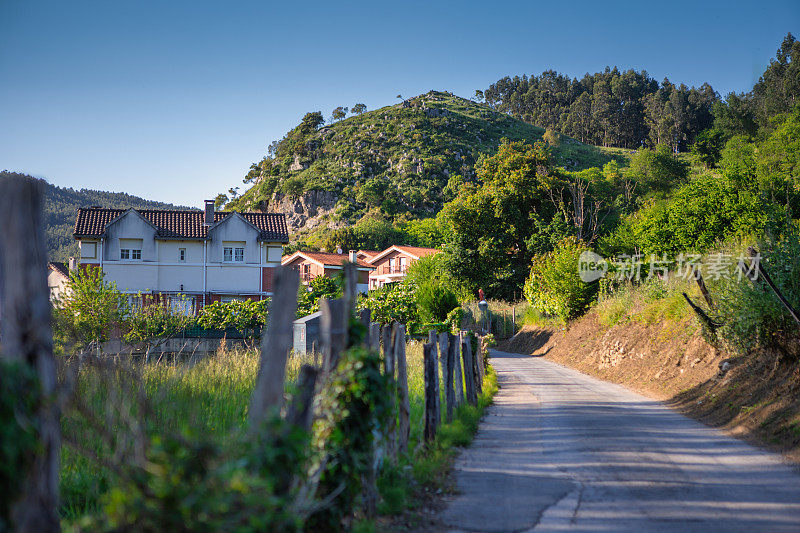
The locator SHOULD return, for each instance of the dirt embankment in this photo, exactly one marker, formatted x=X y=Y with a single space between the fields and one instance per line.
x=756 y=397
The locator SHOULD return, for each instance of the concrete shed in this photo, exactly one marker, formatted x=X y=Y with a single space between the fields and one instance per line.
x=306 y=334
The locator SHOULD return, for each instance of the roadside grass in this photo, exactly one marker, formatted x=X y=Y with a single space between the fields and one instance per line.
x=210 y=397
x=648 y=303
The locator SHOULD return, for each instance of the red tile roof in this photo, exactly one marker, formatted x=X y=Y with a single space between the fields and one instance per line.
x=415 y=251
x=92 y=222
x=325 y=258
x=369 y=253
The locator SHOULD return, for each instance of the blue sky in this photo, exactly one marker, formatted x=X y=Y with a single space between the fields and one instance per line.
x=173 y=100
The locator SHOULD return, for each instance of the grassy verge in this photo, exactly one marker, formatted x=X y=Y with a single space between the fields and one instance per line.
x=210 y=397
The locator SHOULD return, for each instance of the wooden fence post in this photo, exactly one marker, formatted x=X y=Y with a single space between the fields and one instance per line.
x=333 y=326
x=364 y=317
x=446 y=351
x=469 y=370
x=433 y=337
x=459 y=381
x=402 y=387
x=27 y=339
x=299 y=412
x=275 y=345
x=481 y=367
x=431 y=396
x=389 y=370
x=375 y=337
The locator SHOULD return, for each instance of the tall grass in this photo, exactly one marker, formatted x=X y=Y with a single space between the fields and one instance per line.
x=209 y=396
x=647 y=303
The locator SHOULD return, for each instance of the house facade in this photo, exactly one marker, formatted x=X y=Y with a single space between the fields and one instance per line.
x=313 y=264
x=193 y=258
x=392 y=264
x=57 y=278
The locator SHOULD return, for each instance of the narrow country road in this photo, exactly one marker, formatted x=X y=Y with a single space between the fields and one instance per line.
x=560 y=450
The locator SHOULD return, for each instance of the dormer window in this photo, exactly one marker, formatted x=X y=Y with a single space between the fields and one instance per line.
x=233 y=252
x=130 y=249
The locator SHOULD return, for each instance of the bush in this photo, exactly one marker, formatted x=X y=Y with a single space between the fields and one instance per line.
x=750 y=313
x=308 y=296
x=239 y=314
x=554 y=287
x=395 y=302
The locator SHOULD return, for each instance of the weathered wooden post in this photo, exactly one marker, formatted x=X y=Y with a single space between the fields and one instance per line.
x=364 y=317
x=469 y=370
x=299 y=412
x=481 y=368
x=433 y=339
x=375 y=337
x=431 y=392
x=389 y=370
x=446 y=351
x=333 y=331
x=404 y=406
x=275 y=344
x=28 y=340
x=459 y=379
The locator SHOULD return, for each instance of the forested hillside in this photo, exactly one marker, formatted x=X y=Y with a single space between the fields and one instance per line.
x=401 y=161
x=61 y=208
x=611 y=108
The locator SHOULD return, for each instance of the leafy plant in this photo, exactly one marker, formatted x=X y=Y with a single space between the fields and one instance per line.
x=238 y=314
x=308 y=296
x=554 y=286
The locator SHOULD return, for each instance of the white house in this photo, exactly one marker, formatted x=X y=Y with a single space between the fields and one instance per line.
x=191 y=257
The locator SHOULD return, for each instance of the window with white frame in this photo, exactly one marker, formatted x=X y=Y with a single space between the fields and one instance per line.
x=233 y=252
x=130 y=249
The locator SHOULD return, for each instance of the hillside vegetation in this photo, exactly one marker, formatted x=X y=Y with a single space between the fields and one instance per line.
x=405 y=160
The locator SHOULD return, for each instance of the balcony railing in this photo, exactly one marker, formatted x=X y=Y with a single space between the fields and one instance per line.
x=394 y=269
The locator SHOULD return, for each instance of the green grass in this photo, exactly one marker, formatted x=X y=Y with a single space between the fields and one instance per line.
x=647 y=304
x=210 y=397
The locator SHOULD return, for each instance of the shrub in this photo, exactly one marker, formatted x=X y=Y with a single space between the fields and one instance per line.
x=308 y=296
x=239 y=314
x=395 y=302
x=750 y=313
x=554 y=287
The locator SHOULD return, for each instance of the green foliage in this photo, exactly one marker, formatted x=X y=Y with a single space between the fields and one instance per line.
x=554 y=287
x=657 y=169
x=238 y=314
x=393 y=302
x=372 y=232
x=750 y=314
x=696 y=217
x=90 y=306
x=19 y=400
x=308 y=296
x=158 y=320
x=353 y=408
x=609 y=108
x=708 y=147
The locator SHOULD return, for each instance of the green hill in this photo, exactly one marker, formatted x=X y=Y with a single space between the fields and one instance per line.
x=406 y=160
x=61 y=207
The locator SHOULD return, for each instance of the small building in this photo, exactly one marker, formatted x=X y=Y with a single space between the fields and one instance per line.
x=391 y=265
x=306 y=334
x=57 y=278
x=313 y=264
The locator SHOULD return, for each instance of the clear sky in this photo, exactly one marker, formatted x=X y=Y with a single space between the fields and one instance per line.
x=173 y=100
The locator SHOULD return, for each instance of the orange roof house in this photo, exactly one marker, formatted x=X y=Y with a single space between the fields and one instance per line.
x=392 y=263
x=313 y=264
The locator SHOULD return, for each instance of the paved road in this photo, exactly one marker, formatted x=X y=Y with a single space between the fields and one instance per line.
x=560 y=450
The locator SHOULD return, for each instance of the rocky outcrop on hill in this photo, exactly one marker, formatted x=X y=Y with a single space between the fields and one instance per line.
x=305 y=211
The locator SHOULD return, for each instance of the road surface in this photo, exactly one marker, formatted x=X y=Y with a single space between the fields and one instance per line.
x=561 y=451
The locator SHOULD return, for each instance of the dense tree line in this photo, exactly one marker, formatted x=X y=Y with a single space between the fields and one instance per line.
x=611 y=108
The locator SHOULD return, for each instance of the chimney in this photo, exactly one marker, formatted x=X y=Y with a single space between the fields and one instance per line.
x=354 y=256
x=209 y=218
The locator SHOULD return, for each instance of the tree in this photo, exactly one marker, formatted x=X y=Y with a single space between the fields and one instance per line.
x=359 y=108
x=479 y=97
x=91 y=305
x=308 y=296
x=339 y=113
